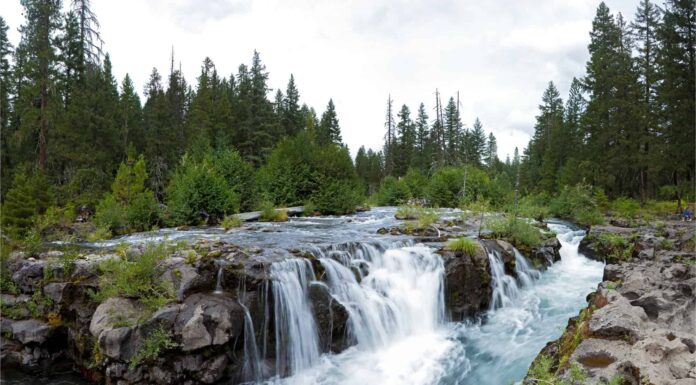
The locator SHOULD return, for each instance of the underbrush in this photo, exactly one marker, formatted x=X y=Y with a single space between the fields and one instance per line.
x=424 y=217
x=467 y=246
x=231 y=222
x=136 y=277
x=270 y=214
x=615 y=247
x=515 y=230
x=153 y=346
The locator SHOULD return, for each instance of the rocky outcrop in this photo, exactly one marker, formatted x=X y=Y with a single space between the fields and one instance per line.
x=331 y=318
x=640 y=324
x=467 y=283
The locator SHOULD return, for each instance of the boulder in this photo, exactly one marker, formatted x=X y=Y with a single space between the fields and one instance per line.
x=112 y=313
x=31 y=331
x=467 y=283
x=331 y=318
x=28 y=275
x=208 y=319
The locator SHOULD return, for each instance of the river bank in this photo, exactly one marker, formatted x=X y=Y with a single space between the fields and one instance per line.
x=639 y=326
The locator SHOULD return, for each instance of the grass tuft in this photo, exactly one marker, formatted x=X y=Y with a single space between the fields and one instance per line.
x=467 y=246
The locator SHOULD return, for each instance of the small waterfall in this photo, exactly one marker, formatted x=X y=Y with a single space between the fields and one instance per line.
x=505 y=288
x=297 y=343
x=252 y=367
x=525 y=273
x=218 y=283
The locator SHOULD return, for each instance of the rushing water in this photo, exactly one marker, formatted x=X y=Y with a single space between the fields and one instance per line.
x=393 y=293
x=402 y=338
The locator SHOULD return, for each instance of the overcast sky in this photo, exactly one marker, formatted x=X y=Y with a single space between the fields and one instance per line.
x=498 y=54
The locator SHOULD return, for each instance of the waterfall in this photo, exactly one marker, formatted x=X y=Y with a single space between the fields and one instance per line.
x=525 y=273
x=252 y=367
x=297 y=343
x=402 y=294
x=505 y=288
x=218 y=283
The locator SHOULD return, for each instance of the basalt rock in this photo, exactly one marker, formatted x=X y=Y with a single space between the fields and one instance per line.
x=640 y=323
x=331 y=318
x=467 y=283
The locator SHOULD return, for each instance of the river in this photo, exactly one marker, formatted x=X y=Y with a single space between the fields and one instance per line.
x=397 y=317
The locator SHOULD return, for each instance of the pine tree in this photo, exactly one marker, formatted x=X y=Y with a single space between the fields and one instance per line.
x=130 y=114
x=676 y=59
x=477 y=142
x=491 y=154
x=405 y=141
x=389 y=139
x=5 y=107
x=423 y=145
x=329 y=130
x=90 y=40
x=292 y=118
x=452 y=130
x=38 y=71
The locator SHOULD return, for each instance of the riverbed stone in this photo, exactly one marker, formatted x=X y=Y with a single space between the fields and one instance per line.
x=209 y=319
x=31 y=331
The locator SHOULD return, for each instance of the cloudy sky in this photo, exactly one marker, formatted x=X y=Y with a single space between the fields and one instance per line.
x=498 y=54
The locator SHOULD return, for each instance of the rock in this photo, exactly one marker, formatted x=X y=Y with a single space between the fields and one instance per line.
x=113 y=312
x=618 y=319
x=213 y=370
x=208 y=319
x=331 y=318
x=186 y=279
x=119 y=343
x=28 y=275
x=59 y=292
x=546 y=254
x=31 y=331
x=467 y=284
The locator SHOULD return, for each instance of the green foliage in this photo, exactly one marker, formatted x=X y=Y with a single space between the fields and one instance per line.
x=467 y=246
x=28 y=197
x=533 y=206
x=199 y=191
x=576 y=204
x=136 y=278
x=239 y=176
x=626 y=207
x=446 y=185
x=336 y=196
x=517 y=231
x=393 y=192
x=614 y=247
x=270 y=214
x=99 y=233
x=231 y=221
x=32 y=242
x=666 y=244
x=155 y=343
x=130 y=206
x=416 y=182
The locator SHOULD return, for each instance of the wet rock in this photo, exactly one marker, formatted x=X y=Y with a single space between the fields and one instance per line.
x=331 y=318
x=119 y=343
x=467 y=283
x=28 y=275
x=208 y=319
x=213 y=369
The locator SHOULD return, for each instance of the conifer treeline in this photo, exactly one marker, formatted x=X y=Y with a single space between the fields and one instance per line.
x=628 y=125
x=425 y=145
x=63 y=113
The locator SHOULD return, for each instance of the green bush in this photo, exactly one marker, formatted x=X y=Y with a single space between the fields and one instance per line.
x=445 y=188
x=517 y=231
x=467 y=246
x=199 y=192
x=393 y=192
x=299 y=170
x=614 y=247
x=576 y=204
x=533 y=206
x=626 y=207
x=153 y=346
x=416 y=183
x=130 y=206
x=136 y=278
x=238 y=174
x=336 y=196
x=27 y=198
x=231 y=221
x=270 y=214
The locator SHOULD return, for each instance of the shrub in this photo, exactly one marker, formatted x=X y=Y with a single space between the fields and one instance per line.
x=198 y=192
x=614 y=247
x=576 y=204
x=130 y=206
x=27 y=197
x=393 y=192
x=239 y=175
x=467 y=246
x=153 y=346
x=517 y=231
x=626 y=207
x=335 y=196
x=231 y=221
x=427 y=217
x=136 y=278
x=533 y=206
x=32 y=242
x=416 y=183
x=99 y=234
x=270 y=214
